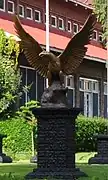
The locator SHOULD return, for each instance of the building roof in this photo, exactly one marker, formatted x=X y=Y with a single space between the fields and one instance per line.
x=86 y=3
x=58 y=42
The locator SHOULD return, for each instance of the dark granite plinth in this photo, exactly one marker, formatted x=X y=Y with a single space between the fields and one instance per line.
x=3 y=157
x=102 y=150
x=62 y=174
x=56 y=144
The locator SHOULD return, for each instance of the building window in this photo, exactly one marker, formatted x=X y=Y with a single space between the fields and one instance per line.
x=89 y=96
x=95 y=35
x=69 y=82
x=32 y=84
x=53 y=21
x=45 y=18
x=88 y=85
x=37 y=16
x=21 y=11
x=95 y=86
x=61 y=23
x=29 y=79
x=105 y=88
x=69 y=26
x=75 y=28
x=100 y=37
x=29 y=13
x=81 y=85
x=2 y=5
x=11 y=7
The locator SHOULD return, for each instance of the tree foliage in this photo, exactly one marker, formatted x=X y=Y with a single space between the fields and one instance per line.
x=100 y=9
x=9 y=73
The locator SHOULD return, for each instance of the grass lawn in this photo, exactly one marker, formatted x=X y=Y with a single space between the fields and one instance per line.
x=19 y=169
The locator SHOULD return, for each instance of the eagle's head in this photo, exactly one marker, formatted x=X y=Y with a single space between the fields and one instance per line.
x=49 y=55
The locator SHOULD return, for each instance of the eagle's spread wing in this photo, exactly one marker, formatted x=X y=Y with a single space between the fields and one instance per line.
x=74 y=53
x=31 y=49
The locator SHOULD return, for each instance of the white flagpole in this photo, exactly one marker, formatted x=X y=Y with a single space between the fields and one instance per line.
x=17 y=8
x=107 y=82
x=47 y=25
x=47 y=31
x=107 y=61
x=107 y=76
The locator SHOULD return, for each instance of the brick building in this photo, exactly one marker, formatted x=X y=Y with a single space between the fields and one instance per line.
x=88 y=87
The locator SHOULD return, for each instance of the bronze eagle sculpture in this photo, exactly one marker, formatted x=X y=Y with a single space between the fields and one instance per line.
x=46 y=63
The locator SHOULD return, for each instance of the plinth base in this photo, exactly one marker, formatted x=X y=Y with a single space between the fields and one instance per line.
x=102 y=150
x=98 y=160
x=5 y=159
x=67 y=174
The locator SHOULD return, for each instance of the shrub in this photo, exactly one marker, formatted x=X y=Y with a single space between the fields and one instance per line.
x=26 y=113
x=85 y=129
x=18 y=135
x=19 y=131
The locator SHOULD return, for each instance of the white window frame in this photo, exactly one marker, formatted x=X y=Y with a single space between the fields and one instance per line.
x=39 y=12
x=52 y=16
x=3 y=7
x=12 y=8
x=28 y=8
x=70 y=26
x=62 y=23
x=96 y=36
x=75 y=24
x=22 y=10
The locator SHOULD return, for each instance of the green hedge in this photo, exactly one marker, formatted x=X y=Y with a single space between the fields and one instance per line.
x=85 y=129
x=19 y=134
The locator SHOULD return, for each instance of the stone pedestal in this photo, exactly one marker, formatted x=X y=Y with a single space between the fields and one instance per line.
x=56 y=144
x=3 y=157
x=102 y=150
